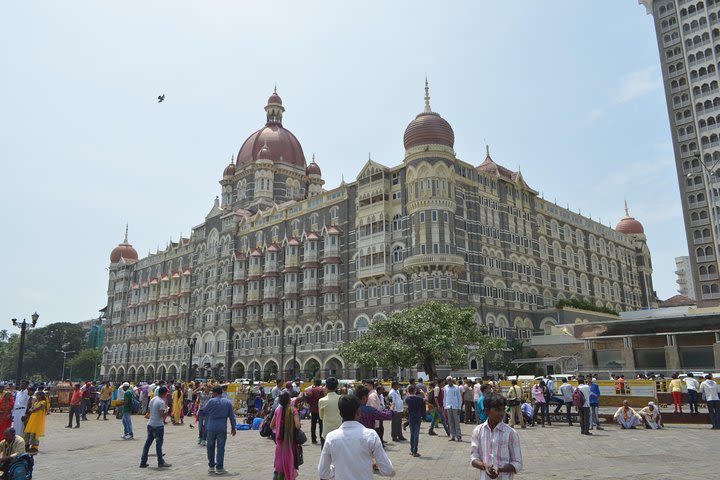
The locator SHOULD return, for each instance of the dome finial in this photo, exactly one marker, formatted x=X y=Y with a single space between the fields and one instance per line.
x=126 y=234
x=427 y=96
x=275 y=89
x=487 y=149
x=627 y=212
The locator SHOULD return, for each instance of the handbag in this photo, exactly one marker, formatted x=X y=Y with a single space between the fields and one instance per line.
x=300 y=437
x=513 y=402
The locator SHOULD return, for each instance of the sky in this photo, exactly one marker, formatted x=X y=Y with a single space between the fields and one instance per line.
x=569 y=92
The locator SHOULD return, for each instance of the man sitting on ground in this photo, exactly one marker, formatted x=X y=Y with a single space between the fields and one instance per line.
x=651 y=416
x=627 y=417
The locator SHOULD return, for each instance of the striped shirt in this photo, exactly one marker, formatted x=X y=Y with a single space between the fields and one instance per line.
x=498 y=446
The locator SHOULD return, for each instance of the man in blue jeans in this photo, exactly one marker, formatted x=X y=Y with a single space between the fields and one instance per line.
x=218 y=411
x=127 y=394
x=416 y=413
x=156 y=429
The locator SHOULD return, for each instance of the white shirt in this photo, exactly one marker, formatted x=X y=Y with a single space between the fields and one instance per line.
x=585 y=389
x=691 y=383
x=709 y=389
x=348 y=453
x=397 y=400
x=21 y=399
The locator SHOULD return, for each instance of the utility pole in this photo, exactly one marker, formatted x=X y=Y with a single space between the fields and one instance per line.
x=64 y=354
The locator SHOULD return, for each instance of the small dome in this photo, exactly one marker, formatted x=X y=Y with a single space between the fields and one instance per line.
x=229 y=171
x=274 y=99
x=428 y=128
x=123 y=250
x=629 y=226
x=313 y=168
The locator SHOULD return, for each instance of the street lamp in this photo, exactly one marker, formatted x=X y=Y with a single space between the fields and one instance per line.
x=295 y=341
x=65 y=354
x=191 y=343
x=23 y=327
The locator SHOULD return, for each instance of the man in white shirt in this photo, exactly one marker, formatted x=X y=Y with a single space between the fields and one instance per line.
x=349 y=451
x=397 y=406
x=709 y=390
x=692 y=392
x=19 y=410
x=584 y=411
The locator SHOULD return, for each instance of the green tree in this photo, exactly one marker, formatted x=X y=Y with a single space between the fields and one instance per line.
x=514 y=349
x=41 y=359
x=85 y=363
x=429 y=335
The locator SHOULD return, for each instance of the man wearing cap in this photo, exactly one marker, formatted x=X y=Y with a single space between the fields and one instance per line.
x=218 y=411
x=127 y=394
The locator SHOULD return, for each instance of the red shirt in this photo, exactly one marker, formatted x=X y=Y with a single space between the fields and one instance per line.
x=313 y=396
x=76 y=397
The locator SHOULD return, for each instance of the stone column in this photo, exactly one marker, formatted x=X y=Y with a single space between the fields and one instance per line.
x=672 y=354
x=628 y=355
x=588 y=363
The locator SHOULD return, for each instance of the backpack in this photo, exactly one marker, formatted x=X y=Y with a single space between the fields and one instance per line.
x=265 y=430
x=578 y=399
x=135 y=404
x=431 y=397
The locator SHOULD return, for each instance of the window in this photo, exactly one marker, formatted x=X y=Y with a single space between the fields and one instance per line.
x=422 y=217
x=396 y=195
x=446 y=217
x=434 y=215
x=423 y=249
x=436 y=248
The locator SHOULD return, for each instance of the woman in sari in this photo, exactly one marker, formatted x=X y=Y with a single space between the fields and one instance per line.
x=177 y=407
x=7 y=403
x=284 y=422
x=35 y=427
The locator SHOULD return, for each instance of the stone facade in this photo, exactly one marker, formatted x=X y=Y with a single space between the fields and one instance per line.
x=688 y=38
x=282 y=270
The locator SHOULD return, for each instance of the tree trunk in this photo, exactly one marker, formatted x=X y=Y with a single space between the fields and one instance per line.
x=429 y=367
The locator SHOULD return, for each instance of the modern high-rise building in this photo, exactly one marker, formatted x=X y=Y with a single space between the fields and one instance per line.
x=683 y=269
x=688 y=38
x=281 y=271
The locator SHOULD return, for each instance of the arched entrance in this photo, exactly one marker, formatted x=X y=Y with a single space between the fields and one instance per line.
x=162 y=373
x=150 y=374
x=238 y=370
x=292 y=372
x=131 y=374
x=121 y=374
x=270 y=371
x=141 y=374
x=172 y=373
x=112 y=374
x=312 y=369
x=333 y=368
x=254 y=371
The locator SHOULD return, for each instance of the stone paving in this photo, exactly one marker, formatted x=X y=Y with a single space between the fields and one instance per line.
x=552 y=452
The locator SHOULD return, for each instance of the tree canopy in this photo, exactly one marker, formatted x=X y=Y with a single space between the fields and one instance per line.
x=429 y=335
x=41 y=360
x=84 y=364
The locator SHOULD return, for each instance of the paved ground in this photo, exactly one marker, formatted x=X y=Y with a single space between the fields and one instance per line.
x=553 y=452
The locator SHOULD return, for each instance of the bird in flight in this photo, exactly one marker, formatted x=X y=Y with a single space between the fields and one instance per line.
x=161 y=98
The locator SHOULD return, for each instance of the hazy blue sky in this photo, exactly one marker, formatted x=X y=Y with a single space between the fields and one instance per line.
x=569 y=91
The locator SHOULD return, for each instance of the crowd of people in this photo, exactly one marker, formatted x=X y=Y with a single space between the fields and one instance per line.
x=347 y=421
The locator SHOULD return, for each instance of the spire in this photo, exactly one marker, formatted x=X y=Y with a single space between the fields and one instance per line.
x=275 y=89
x=487 y=149
x=627 y=212
x=427 y=96
x=126 y=233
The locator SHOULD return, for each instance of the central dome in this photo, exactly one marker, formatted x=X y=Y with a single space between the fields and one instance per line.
x=282 y=145
x=428 y=128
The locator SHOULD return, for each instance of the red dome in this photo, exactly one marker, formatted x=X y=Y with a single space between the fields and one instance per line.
x=229 y=170
x=283 y=146
x=124 y=250
x=428 y=128
x=630 y=226
x=313 y=169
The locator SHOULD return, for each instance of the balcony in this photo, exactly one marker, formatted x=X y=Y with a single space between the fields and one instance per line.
x=376 y=270
x=434 y=262
x=382 y=238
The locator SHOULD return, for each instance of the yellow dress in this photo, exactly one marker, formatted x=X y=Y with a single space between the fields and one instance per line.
x=36 y=422
x=177 y=406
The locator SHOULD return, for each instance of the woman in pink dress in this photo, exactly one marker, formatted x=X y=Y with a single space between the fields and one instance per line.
x=285 y=421
x=6 y=409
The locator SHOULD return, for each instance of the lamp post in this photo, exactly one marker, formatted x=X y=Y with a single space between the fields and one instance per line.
x=23 y=326
x=191 y=343
x=295 y=342
x=64 y=354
